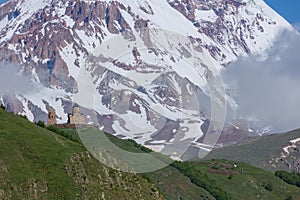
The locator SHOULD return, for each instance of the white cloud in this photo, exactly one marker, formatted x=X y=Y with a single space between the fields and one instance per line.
x=270 y=90
x=13 y=81
x=297 y=26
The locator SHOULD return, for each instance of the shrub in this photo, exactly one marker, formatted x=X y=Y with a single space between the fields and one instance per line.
x=23 y=116
x=230 y=176
x=71 y=136
x=41 y=124
x=290 y=178
x=269 y=187
x=53 y=129
x=289 y=198
x=201 y=179
x=2 y=107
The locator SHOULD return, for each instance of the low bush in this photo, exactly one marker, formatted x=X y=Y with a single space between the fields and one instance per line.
x=41 y=124
x=292 y=178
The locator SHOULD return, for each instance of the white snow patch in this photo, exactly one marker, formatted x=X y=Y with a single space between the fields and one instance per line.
x=26 y=110
x=293 y=144
x=206 y=15
x=69 y=56
x=156 y=148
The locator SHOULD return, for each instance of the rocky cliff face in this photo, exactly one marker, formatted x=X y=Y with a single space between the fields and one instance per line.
x=148 y=64
x=289 y=157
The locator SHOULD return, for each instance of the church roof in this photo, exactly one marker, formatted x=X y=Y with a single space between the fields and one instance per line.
x=75 y=105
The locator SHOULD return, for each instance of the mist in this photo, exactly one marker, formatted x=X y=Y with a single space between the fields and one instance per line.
x=268 y=90
x=13 y=80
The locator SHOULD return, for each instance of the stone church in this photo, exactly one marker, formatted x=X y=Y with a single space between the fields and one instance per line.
x=51 y=117
x=75 y=118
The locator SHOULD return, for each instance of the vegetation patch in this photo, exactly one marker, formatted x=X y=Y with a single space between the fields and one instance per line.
x=51 y=163
x=292 y=178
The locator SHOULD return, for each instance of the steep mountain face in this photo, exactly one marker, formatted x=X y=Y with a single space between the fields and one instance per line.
x=147 y=68
x=289 y=157
x=271 y=152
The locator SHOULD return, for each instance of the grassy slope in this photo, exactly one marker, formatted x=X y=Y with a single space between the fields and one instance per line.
x=246 y=182
x=256 y=151
x=177 y=186
x=38 y=164
x=173 y=184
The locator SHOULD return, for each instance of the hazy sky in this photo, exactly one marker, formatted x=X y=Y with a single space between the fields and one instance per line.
x=289 y=9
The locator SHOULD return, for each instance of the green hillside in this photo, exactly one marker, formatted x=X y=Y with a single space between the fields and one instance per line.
x=257 y=151
x=236 y=180
x=214 y=179
x=36 y=163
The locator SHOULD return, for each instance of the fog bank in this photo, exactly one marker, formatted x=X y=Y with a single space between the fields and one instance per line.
x=269 y=90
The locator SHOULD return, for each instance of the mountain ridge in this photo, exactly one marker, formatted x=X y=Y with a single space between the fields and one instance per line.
x=167 y=56
x=271 y=152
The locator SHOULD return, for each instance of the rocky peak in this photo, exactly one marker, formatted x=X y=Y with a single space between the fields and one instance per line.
x=137 y=54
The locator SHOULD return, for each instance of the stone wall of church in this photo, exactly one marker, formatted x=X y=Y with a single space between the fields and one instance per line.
x=76 y=118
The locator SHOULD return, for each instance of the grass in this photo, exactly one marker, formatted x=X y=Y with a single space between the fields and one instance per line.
x=28 y=157
x=222 y=180
x=45 y=165
x=38 y=164
x=170 y=182
x=176 y=186
x=242 y=182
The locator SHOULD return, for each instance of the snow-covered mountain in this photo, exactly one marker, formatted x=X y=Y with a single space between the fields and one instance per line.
x=145 y=68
